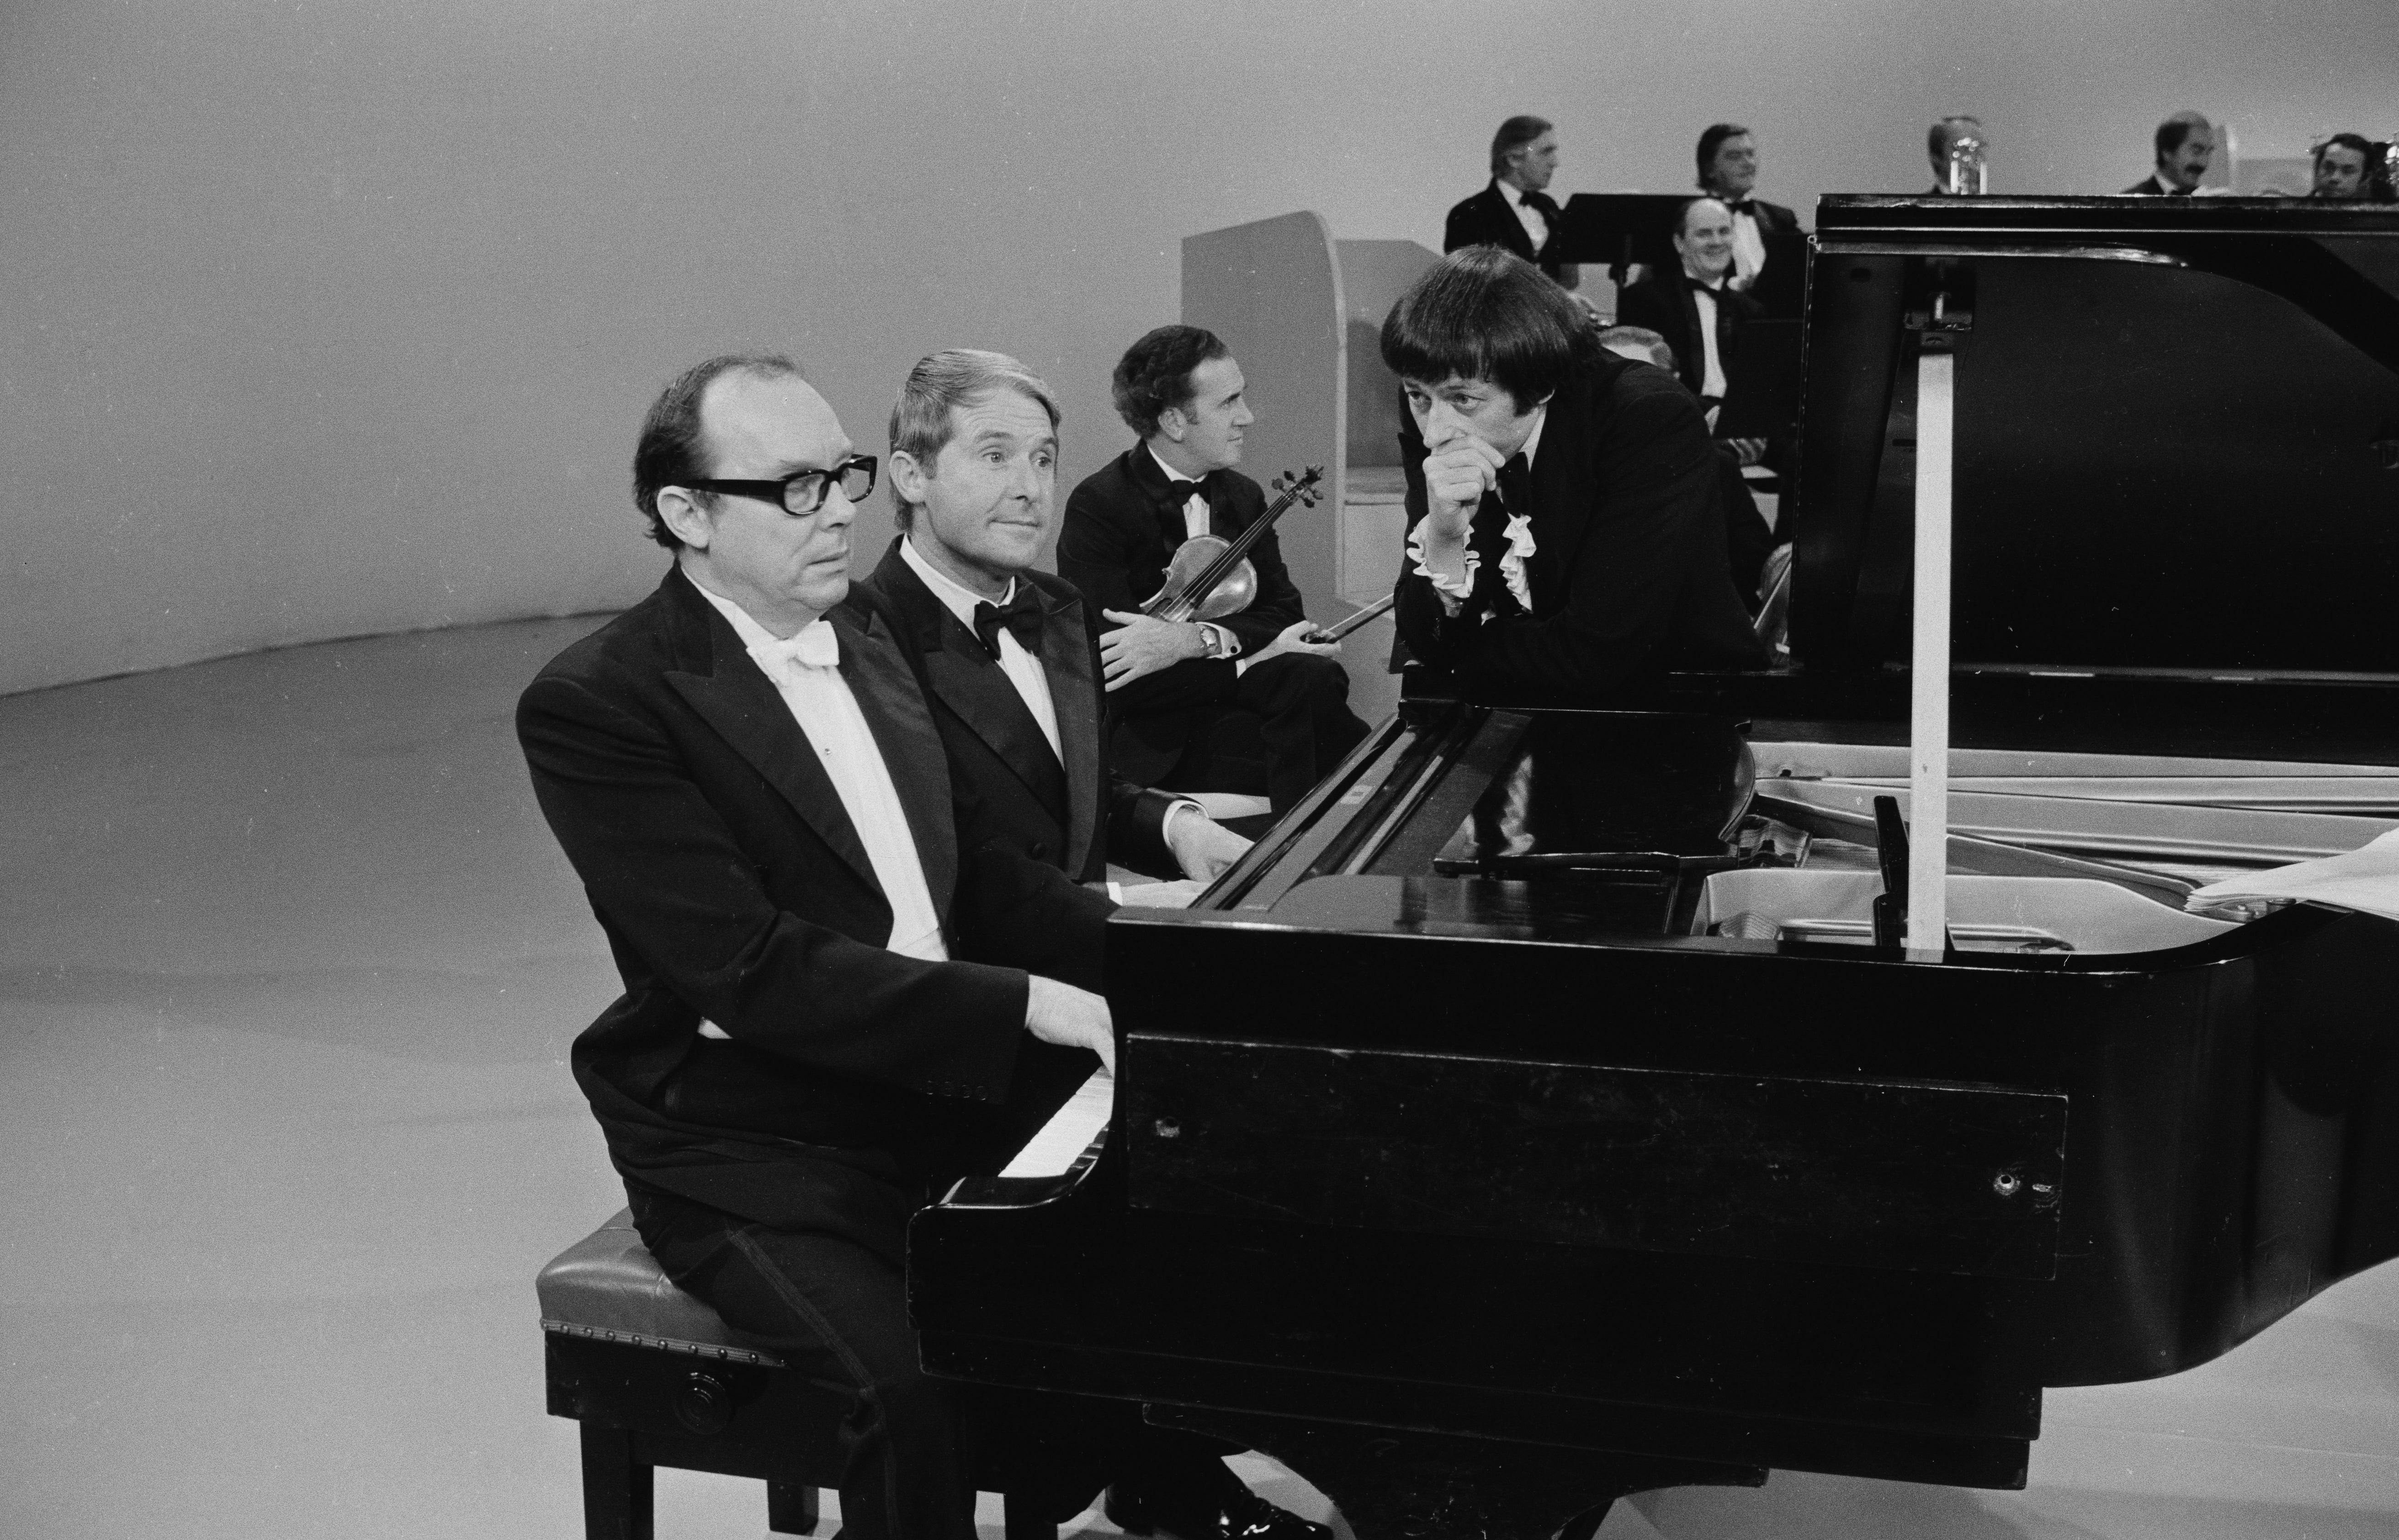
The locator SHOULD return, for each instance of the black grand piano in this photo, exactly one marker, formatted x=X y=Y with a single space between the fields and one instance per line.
x=1585 y=1131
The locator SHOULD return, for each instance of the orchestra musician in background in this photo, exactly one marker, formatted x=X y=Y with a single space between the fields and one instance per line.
x=1010 y=654
x=1515 y=212
x=1698 y=310
x=2185 y=146
x=2343 y=168
x=1565 y=523
x=1938 y=141
x=1246 y=704
x=1763 y=233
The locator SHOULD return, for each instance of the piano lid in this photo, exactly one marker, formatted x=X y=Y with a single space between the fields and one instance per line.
x=2177 y=435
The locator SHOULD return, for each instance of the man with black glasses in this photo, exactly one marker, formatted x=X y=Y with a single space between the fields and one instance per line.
x=841 y=992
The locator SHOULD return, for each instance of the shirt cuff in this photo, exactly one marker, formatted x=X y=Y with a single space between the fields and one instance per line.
x=1166 y=824
x=1227 y=645
x=1454 y=592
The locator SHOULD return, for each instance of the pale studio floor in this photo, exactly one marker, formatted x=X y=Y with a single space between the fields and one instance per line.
x=287 y=972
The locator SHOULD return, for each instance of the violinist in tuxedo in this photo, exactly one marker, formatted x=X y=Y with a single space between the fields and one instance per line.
x=1010 y=654
x=842 y=988
x=1515 y=212
x=1245 y=704
x=1566 y=530
x=1769 y=250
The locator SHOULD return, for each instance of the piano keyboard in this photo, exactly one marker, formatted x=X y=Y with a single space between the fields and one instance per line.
x=1074 y=1131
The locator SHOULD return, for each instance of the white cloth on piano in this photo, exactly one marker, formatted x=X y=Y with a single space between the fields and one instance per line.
x=2366 y=879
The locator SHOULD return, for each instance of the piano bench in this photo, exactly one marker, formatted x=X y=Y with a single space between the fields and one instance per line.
x=656 y=1378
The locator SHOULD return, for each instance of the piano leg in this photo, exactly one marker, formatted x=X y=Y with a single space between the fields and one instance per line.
x=1392 y=1484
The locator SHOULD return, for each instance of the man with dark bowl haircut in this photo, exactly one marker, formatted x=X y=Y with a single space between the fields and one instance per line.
x=842 y=991
x=1011 y=655
x=1565 y=535
x=1181 y=694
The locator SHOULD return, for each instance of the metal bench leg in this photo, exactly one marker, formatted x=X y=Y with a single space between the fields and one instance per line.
x=1024 y=1526
x=790 y=1509
x=616 y=1488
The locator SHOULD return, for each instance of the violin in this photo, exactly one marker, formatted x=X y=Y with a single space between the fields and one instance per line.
x=1211 y=577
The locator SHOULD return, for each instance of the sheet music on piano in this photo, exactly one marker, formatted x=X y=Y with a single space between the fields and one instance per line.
x=1073 y=1131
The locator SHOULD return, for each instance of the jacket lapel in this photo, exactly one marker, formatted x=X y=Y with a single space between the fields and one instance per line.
x=742 y=704
x=1066 y=657
x=903 y=725
x=972 y=685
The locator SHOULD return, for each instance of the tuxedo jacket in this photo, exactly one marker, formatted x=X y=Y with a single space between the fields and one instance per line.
x=1664 y=303
x=1630 y=574
x=1486 y=219
x=2153 y=185
x=1071 y=815
x=733 y=886
x=1121 y=529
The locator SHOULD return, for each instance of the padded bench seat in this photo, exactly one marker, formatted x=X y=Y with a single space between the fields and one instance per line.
x=656 y=1378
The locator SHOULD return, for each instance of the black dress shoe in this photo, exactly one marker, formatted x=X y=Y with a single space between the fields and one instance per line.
x=1236 y=1514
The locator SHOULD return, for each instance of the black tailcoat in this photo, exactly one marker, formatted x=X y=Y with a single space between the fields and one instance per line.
x=1664 y=303
x=1074 y=815
x=1629 y=576
x=1487 y=219
x=733 y=886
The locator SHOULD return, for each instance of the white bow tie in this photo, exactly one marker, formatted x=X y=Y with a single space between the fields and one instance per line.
x=813 y=646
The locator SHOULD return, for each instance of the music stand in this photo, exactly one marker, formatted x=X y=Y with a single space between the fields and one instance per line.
x=1618 y=229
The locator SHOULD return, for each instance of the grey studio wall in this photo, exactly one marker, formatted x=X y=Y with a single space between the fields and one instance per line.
x=337 y=317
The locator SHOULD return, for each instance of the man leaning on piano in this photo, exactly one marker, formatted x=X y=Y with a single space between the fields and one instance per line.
x=845 y=984
x=1565 y=532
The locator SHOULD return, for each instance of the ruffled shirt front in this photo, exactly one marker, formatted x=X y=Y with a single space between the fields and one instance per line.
x=1454 y=591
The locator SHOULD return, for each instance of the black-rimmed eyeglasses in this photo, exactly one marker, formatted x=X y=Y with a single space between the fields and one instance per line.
x=803 y=492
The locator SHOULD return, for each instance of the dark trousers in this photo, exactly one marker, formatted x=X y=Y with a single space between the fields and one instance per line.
x=1300 y=705
x=914 y=1448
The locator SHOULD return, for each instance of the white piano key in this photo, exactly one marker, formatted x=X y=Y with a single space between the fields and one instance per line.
x=1072 y=1129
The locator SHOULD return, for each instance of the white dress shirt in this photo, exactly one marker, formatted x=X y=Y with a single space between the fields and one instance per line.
x=1529 y=217
x=1023 y=669
x=1454 y=591
x=821 y=702
x=1748 y=249
x=1712 y=371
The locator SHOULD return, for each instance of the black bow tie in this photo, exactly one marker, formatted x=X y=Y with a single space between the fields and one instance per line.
x=1021 y=615
x=1542 y=201
x=1701 y=286
x=1182 y=492
x=1516 y=486
x=1745 y=206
